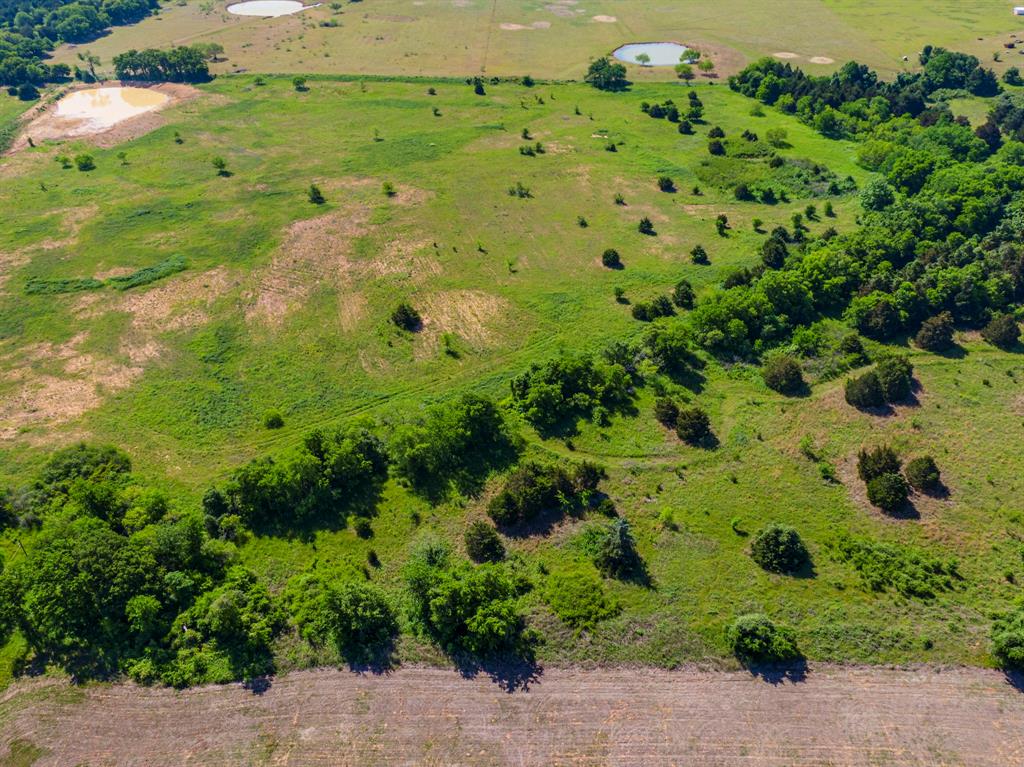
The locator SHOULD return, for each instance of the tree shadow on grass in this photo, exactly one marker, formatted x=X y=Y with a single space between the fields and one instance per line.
x=908 y=511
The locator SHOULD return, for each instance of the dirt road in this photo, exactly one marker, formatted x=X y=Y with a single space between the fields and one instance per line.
x=420 y=716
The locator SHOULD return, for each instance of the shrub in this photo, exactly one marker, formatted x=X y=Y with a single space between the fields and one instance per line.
x=529 y=490
x=611 y=259
x=85 y=162
x=1008 y=638
x=699 y=256
x=578 y=597
x=882 y=566
x=936 y=333
x=362 y=527
x=716 y=132
x=876 y=462
x=646 y=227
x=666 y=184
x=865 y=391
x=272 y=419
x=612 y=549
x=1002 y=331
x=456 y=443
x=888 y=492
x=666 y=411
x=466 y=609
x=922 y=474
x=755 y=638
x=783 y=374
x=895 y=374
x=299 y=83
x=716 y=147
x=406 y=317
x=693 y=425
x=683 y=295
x=779 y=549
x=774 y=253
x=356 y=617
x=315 y=195
x=483 y=544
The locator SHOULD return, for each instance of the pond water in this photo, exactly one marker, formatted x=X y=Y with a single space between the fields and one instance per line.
x=661 y=54
x=267 y=8
x=104 y=107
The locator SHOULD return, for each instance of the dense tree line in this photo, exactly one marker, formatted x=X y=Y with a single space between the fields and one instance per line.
x=183 y=64
x=29 y=29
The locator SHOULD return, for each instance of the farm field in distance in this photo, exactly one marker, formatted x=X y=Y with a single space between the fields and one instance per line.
x=499 y=38
x=416 y=339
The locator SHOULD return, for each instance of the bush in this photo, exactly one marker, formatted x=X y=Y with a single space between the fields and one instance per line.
x=355 y=617
x=611 y=259
x=779 y=549
x=693 y=425
x=85 y=162
x=716 y=147
x=874 y=463
x=272 y=419
x=578 y=597
x=612 y=549
x=755 y=638
x=483 y=544
x=529 y=490
x=865 y=391
x=923 y=475
x=666 y=411
x=406 y=317
x=1002 y=331
x=882 y=566
x=466 y=609
x=1008 y=638
x=457 y=443
x=895 y=374
x=646 y=227
x=699 y=256
x=888 y=492
x=936 y=333
x=784 y=375
x=315 y=195
x=666 y=184
x=683 y=295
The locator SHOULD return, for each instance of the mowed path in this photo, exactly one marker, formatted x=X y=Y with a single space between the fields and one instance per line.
x=419 y=716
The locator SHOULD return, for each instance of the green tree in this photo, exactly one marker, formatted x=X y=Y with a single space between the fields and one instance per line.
x=779 y=549
x=755 y=638
x=606 y=75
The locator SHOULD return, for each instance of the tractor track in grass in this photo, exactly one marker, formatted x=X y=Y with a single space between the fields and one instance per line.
x=830 y=715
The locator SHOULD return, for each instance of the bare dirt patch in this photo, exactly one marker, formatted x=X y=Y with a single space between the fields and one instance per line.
x=314 y=251
x=43 y=124
x=318 y=252
x=786 y=55
x=57 y=383
x=842 y=717
x=472 y=315
x=821 y=60
x=602 y=19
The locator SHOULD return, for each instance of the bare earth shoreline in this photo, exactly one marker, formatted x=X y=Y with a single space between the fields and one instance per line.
x=426 y=716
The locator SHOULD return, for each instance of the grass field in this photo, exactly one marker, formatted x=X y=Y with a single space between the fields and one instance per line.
x=557 y=39
x=285 y=305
